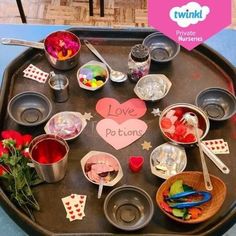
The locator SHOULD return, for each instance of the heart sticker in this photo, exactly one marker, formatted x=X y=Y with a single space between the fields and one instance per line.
x=131 y=109
x=121 y=135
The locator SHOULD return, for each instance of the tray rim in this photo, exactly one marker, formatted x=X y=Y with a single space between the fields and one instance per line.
x=31 y=227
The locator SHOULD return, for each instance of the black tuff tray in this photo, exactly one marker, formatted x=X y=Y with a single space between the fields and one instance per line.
x=189 y=72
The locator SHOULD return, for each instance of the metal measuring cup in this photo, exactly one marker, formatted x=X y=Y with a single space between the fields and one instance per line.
x=49 y=155
x=59 y=85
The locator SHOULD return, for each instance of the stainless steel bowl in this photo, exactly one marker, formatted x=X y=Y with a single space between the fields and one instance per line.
x=167 y=160
x=162 y=48
x=152 y=87
x=128 y=208
x=219 y=104
x=29 y=108
x=202 y=117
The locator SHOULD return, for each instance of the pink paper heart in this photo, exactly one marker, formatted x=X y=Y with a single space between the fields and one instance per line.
x=121 y=135
x=131 y=109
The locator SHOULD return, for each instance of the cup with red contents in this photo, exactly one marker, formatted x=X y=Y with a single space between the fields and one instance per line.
x=49 y=154
x=62 y=49
x=177 y=130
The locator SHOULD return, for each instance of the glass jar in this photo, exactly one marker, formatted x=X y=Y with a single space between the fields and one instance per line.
x=138 y=62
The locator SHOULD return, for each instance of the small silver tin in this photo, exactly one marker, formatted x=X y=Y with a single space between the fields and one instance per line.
x=59 y=85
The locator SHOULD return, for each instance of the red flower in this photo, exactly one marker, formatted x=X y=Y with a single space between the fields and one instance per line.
x=26 y=139
x=2 y=171
x=25 y=153
x=14 y=135
x=3 y=150
x=10 y=134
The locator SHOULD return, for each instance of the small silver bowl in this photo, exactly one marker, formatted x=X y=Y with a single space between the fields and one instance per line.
x=67 y=124
x=128 y=208
x=92 y=64
x=29 y=108
x=167 y=160
x=219 y=104
x=162 y=48
x=152 y=87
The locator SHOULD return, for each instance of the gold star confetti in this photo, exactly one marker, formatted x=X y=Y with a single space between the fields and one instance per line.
x=87 y=116
x=146 y=145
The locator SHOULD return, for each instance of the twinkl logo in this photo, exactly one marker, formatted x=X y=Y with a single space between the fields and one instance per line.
x=188 y=14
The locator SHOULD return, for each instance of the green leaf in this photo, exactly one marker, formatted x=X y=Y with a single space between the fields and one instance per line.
x=13 y=160
x=36 y=182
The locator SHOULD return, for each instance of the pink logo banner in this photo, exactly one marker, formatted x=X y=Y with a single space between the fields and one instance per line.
x=187 y=22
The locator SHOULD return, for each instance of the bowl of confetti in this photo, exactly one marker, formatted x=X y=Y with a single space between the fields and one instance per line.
x=174 y=127
x=152 y=87
x=92 y=76
x=67 y=124
x=62 y=49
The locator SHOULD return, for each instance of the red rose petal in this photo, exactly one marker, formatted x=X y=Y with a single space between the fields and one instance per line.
x=166 y=123
x=189 y=138
x=180 y=129
x=179 y=112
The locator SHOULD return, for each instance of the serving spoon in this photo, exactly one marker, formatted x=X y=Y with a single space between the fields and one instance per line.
x=192 y=120
x=115 y=76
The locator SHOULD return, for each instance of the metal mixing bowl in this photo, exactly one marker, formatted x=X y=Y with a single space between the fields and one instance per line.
x=29 y=108
x=128 y=208
x=219 y=104
x=162 y=48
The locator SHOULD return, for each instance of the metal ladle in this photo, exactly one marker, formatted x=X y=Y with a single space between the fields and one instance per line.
x=192 y=120
x=115 y=76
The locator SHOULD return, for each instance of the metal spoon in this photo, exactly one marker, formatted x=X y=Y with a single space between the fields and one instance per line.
x=115 y=76
x=192 y=120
